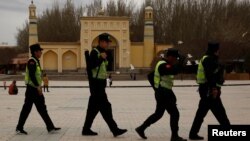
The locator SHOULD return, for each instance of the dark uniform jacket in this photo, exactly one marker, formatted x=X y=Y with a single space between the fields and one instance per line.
x=168 y=69
x=211 y=65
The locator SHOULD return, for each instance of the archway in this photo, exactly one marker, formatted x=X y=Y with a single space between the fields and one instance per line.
x=50 y=61
x=112 y=51
x=69 y=61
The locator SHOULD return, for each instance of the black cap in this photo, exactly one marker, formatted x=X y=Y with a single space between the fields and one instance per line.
x=172 y=52
x=213 y=47
x=35 y=47
x=105 y=37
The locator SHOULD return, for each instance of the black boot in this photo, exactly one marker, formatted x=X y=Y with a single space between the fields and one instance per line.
x=177 y=138
x=53 y=130
x=119 y=132
x=195 y=137
x=88 y=132
x=140 y=132
x=21 y=132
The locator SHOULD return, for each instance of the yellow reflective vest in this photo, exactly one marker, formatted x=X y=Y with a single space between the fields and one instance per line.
x=38 y=75
x=100 y=72
x=165 y=81
x=201 y=77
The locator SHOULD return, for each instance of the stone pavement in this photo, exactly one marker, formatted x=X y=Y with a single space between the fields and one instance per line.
x=131 y=106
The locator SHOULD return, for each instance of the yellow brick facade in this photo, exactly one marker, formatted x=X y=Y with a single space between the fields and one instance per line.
x=61 y=56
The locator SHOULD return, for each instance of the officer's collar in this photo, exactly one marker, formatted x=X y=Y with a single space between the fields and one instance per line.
x=35 y=57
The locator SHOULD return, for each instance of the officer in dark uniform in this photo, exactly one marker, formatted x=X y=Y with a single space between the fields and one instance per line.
x=33 y=94
x=98 y=100
x=210 y=79
x=166 y=100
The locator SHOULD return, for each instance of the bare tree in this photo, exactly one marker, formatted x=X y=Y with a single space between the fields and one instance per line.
x=60 y=25
x=111 y=8
x=94 y=8
x=6 y=54
x=22 y=37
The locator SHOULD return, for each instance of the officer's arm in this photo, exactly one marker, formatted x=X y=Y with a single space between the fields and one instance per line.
x=32 y=71
x=95 y=61
x=210 y=65
x=167 y=69
x=220 y=75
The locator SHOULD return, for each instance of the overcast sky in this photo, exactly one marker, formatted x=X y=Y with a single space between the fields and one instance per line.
x=14 y=13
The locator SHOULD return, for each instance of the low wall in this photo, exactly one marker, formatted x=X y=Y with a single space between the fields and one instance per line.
x=228 y=76
x=237 y=76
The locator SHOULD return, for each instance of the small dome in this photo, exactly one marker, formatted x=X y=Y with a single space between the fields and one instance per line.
x=32 y=4
x=149 y=8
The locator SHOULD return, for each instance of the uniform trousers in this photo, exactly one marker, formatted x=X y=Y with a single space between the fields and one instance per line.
x=32 y=96
x=98 y=102
x=165 y=100
x=207 y=102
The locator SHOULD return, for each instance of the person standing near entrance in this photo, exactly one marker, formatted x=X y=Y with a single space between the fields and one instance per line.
x=210 y=79
x=98 y=100
x=132 y=72
x=45 y=82
x=33 y=94
x=109 y=80
x=164 y=72
x=4 y=85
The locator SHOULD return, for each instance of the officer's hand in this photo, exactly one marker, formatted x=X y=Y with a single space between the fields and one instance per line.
x=39 y=89
x=215 y=92
x=104 y=55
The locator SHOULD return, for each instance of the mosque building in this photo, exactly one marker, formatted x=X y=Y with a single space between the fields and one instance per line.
x=69 y=56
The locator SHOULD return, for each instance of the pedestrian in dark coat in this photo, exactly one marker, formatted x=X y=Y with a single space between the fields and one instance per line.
x=210 y=79
x=33 y=94
x=164 y=72
x=98 y=100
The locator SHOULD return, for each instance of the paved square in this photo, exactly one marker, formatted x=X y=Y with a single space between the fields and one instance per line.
x=131 y=106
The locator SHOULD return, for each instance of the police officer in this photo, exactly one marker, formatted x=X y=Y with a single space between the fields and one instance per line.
x=98 y=100
x=164 y=73
x=209 y=78
x=33 y=94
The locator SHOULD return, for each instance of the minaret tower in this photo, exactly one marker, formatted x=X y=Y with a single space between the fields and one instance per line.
x=148 y=53
x=33 y=36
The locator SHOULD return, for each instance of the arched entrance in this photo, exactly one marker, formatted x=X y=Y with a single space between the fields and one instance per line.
x=112 y=51
x=69 y=61
x=50 y=61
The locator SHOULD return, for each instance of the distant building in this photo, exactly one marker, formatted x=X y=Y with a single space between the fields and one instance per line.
x=6 y=46
x=4 y=64
x=16 y=64
x=20 y=61
x=61 y=56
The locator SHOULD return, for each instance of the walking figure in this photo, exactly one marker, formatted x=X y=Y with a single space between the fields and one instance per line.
x=163 y=79
x=210 y=79
x=98 y=101
x=34 y=94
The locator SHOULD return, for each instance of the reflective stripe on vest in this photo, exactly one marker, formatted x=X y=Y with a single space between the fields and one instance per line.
x=102 y=74
x=165 y=81
x=38 y=75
